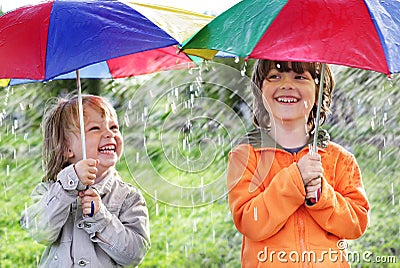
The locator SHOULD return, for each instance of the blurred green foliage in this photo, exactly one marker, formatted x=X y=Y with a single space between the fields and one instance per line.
x=364 y=120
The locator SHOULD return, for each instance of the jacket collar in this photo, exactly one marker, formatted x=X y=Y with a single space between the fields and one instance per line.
x=260 y=139
x=105 y=185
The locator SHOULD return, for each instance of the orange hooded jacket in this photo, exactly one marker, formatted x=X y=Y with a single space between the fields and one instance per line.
x=267 y=201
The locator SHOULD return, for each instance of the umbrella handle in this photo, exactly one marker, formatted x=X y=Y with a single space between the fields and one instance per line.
x=91 y=209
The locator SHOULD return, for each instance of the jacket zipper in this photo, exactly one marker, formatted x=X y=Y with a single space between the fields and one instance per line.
x=302 y=239
x=301 y=226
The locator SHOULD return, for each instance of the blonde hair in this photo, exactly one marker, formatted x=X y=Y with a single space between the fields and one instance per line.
x=61 y=119
x=261 y=117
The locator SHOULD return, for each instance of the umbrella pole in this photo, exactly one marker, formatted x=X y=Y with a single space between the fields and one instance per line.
x=82 y=128
x=319 y=103
x=80 y=107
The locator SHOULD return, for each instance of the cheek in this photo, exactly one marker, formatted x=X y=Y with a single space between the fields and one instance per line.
x=312 y=97
x=120 y=143
x=267 y=99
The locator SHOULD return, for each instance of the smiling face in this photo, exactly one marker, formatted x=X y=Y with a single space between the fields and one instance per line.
x=289 y=96
x=103 y=140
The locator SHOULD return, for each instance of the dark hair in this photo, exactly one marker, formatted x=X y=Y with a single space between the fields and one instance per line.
x=261 y=117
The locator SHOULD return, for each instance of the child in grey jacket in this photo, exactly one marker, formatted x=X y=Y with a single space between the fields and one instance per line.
x=83 y=211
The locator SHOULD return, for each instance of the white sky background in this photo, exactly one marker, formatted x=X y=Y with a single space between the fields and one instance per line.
x=211 y=7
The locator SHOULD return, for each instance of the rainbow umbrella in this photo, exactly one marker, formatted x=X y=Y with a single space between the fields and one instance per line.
x=58 y=39
x=355 y=33
x=101 y=39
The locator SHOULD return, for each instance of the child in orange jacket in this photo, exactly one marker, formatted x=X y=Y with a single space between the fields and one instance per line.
x=273 y=175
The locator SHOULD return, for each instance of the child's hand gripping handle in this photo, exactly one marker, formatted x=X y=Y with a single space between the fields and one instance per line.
x=86 y=170
x=317 y=194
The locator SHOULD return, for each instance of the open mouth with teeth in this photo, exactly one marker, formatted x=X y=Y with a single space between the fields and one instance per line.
x=107 y=149
x=287 y=99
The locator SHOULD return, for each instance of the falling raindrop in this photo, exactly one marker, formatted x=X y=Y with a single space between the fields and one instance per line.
x=213 y=234
x=203 y=197
x=372 y=124
x=173 y=107
x=384 y=118
x=392 y=194
x=166 y=248
x=156 y=201
x=380 y=155
x=255 y=214
x=126 y=120
x=15 y=123
x=192 y=100
x=194 y=226
x=184 y=144
x=243 y=71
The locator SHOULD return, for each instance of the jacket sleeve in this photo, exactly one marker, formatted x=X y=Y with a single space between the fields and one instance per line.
x=45 y=218
x=261 y=208
x=343 y=207
x=126 y=237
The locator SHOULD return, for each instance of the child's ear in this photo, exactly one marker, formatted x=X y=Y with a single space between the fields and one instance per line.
x=69 y=153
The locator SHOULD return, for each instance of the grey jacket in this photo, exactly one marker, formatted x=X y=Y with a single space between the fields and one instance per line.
x=118 y=235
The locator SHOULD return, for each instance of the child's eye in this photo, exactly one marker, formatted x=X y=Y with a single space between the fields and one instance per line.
x=273 y=76
x=114 y=127
x=94 y=128
x=301 y=77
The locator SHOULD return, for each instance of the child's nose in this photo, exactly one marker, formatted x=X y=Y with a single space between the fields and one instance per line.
x=287 y=82
x=109 y=133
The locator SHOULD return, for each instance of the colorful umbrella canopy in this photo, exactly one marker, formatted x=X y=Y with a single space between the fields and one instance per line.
x=104 y=39
x=356 y=33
